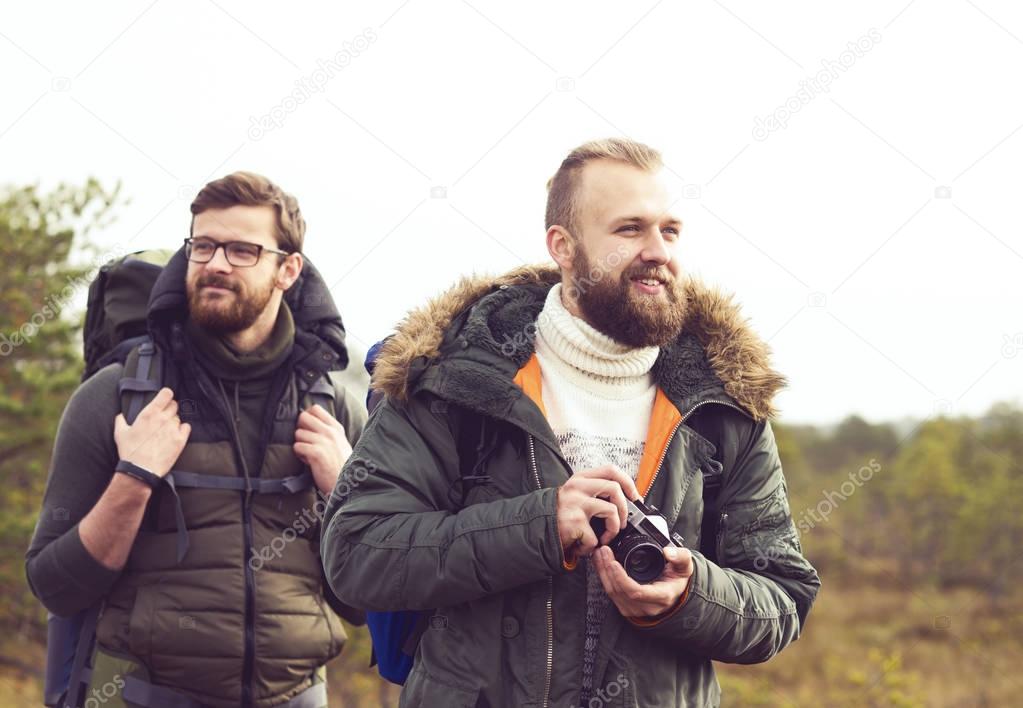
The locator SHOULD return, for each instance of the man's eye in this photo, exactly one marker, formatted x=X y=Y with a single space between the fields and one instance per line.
x=243 y=249
x=202 y=246
x=671 y=230
x=628 y=227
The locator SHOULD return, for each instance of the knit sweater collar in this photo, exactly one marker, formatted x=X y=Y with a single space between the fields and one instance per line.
x=589 y=357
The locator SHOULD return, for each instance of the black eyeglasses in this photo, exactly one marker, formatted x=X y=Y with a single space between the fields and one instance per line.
x=240 y=254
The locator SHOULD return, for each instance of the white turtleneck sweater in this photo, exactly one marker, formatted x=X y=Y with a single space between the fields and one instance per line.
x=599 y=396
x=598 y=393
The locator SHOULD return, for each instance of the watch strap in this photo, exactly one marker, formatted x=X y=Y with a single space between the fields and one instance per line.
x=143 y=475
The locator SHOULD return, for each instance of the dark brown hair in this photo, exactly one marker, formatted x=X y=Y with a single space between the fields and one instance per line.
x=250 y=189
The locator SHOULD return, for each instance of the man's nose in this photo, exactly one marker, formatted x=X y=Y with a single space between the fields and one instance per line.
x=219 y=261
x=655 y=249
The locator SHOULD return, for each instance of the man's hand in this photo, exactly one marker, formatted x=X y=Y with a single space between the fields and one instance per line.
x=320 y=442
x=643 y=601
x=154 y=442
x=598 y=492
x=156 y=438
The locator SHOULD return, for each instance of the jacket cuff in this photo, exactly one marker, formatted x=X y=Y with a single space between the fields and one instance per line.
x=568 y=560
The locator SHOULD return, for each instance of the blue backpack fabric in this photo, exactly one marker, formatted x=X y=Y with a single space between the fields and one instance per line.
x=391 y=633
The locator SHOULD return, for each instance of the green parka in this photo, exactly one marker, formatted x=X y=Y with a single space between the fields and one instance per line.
x=509 y=617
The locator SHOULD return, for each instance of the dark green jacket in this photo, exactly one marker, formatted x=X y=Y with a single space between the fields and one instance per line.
x=509 y=625
x=244 y=617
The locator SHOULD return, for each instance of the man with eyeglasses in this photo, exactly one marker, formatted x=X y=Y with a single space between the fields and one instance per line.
x=196 y=523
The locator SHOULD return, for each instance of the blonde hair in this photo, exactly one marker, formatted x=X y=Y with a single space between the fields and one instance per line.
x=562 y=188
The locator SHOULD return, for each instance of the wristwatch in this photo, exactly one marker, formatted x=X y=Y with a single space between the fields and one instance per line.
x=143 y=475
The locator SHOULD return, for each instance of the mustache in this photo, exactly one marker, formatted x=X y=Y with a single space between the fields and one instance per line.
x=644 y=272
x=216 y=281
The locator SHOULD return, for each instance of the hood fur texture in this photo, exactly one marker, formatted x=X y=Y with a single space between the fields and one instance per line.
x=716 y=348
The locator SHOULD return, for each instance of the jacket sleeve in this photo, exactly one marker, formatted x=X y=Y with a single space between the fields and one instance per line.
x=60 y=571
x=351 y=413
x=755 y=602
x=392 y=539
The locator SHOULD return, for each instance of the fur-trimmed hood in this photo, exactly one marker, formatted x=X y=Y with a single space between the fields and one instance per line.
x=717 y=355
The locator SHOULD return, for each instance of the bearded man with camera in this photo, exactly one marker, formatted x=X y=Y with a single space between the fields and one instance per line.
x=573 y=473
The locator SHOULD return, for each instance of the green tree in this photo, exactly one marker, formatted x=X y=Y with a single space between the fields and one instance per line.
x=42 y=235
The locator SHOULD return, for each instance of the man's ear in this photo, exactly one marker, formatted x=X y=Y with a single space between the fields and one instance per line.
x=561 y=246
x=289 y=271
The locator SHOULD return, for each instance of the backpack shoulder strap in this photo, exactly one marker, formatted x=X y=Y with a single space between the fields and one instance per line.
x=322 y=393
x=141 y=380
x=79 y=672
x=712 y=480
x=474 y=441
x=708 y=423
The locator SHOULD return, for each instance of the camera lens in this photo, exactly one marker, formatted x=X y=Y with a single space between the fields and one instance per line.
x=643 y=561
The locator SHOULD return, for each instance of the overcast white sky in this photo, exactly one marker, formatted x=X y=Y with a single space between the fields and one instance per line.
x=874 y=238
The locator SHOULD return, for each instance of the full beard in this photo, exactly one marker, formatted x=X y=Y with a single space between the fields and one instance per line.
x=631 y=318
x=226 y=314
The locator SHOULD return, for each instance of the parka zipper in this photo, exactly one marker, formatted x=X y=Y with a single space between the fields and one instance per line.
x=664 y=452
x=550 y=593
x=721 y=535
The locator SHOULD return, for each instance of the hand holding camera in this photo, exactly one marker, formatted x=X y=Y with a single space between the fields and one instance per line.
x=644 y=568
x=639 y=545
x=599 y=493
x=645 y=600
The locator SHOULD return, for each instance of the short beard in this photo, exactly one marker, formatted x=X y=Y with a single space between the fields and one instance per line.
x=218 y=318
x=631 y=319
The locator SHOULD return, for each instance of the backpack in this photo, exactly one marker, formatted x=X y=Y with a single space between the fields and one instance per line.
x=116 y=331
x=115 y=323
x=115 y=313
x=395 y=635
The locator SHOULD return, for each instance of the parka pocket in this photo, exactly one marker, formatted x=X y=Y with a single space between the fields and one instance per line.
x=618 y=689
x=768 y=535
x=424 y=691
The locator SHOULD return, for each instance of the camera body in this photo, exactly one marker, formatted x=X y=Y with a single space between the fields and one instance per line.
x=640 y=545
